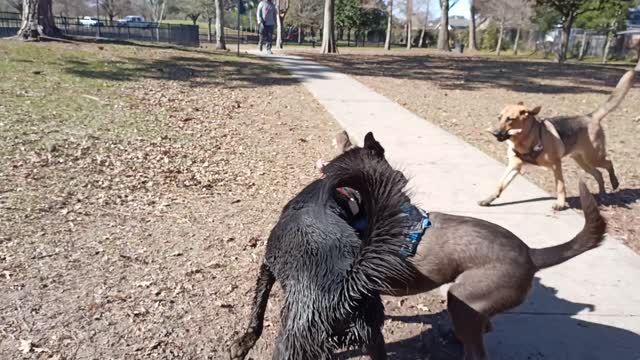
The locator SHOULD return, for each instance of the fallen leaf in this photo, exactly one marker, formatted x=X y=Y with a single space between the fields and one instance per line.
x=25 y=346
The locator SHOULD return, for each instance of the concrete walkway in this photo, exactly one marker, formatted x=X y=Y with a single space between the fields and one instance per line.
x=586 y=308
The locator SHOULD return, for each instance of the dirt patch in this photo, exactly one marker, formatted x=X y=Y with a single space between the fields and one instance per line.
x=138 y=185
x=465 y=94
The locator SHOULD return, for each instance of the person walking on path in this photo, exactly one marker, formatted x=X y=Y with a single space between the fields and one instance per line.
x=266 y=15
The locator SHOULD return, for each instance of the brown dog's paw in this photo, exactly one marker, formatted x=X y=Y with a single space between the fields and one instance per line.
x=614 y=182
x=560 y=207
x=485 y=202
x=240 y=348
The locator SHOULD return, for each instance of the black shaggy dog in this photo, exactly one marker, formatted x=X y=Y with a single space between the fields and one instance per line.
x=330 y=275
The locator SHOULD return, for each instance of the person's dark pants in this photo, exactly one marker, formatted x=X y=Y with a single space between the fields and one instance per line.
x=266 y=35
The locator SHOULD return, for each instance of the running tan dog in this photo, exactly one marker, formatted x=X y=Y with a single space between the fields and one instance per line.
x=546 y=142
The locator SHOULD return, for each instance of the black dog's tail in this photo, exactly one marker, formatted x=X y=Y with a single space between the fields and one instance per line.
x=590 y=237
x=382 y=191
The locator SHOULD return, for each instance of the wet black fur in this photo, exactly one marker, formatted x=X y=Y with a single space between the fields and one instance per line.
x=330 y=276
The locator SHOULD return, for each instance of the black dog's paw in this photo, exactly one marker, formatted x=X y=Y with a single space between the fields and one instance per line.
x=240 y=348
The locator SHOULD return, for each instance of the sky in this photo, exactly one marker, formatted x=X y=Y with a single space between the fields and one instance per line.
x=461 y=8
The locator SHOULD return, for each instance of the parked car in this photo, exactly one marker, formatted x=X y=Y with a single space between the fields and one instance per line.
x=91 y=21
x=134 y=21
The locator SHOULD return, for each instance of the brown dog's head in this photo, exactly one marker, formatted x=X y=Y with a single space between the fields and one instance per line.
x=514 y=119
x=342 y=142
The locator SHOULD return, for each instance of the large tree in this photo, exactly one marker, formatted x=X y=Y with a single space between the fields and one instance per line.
x=503 y=12
x=328 y=28
x=443 y=33
x=387 y=41
x=523 y=11
x=348 y=17
x=409 y=26
x=37 y=20
x=425 y=23
x=283 y=9
x=114 y=8
x=220 y=43
x=192 y=9
x=569 y=10
x=610 y=19
x=473 y=12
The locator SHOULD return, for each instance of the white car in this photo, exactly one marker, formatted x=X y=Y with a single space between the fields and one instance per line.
x=90 y=21
x=133 y=21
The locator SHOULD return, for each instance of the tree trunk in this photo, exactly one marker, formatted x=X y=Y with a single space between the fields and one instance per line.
x=220 y=44
x=605 y=55
x=209 y=33
x=328 y=33
x=500 y=34
x=443 y=34
x=279 y=31
x=409 y=23
x=516 y=41
x=299 y=34
x=567 y=24
x=349 y=38
x=421 y=41
x=473 y=44
x=583 y=45
x=37 y=20
x=387 y=41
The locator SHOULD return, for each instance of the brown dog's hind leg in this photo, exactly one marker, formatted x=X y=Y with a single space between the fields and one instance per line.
x=591 y=170
x=514 y=167
x=241 y=346
x=608 y=165
x=469 y=326
x=481 y=293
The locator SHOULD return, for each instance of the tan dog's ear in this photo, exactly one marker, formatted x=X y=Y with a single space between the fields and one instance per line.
x=520 y=103
x=342 y=142
x=535 y=110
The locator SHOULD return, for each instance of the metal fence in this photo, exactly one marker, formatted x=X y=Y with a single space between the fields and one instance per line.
x=187 y=35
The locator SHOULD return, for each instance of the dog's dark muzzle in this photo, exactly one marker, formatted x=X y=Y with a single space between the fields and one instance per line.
x=501 y=135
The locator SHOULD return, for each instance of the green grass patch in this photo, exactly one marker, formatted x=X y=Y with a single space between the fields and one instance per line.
x=52 y=90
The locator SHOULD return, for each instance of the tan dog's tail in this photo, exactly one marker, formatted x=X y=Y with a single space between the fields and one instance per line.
x=588 y=238
x=626 y=82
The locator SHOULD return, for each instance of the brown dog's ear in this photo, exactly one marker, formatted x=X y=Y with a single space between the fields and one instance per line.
x=535 y=110
x=342 y=142
x=372 y=144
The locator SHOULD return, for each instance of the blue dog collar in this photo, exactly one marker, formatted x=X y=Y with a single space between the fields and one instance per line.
x=419 y=222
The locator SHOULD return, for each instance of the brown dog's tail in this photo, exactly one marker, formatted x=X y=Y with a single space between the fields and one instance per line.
x=624 y=84
x=588 y=238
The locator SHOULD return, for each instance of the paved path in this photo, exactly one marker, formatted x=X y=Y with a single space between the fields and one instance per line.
x=586 y=308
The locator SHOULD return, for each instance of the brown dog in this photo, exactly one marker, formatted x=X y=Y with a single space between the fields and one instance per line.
x=491 y=269
x=545 y=143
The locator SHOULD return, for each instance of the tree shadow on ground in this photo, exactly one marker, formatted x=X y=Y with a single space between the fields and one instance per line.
x=475 y=73
x=542 y=328
x=194 y=66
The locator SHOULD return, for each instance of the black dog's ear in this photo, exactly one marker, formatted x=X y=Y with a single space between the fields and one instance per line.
x=370 y=143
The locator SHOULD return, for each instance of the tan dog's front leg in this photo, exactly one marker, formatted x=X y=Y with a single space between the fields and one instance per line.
x=561 y=193
x=514 y=167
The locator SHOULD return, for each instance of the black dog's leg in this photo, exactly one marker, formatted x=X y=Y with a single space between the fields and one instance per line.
x=241 y=346
x=374 y=318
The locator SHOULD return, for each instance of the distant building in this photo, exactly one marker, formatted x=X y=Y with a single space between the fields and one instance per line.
x=456 y=22
x=633 y=21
